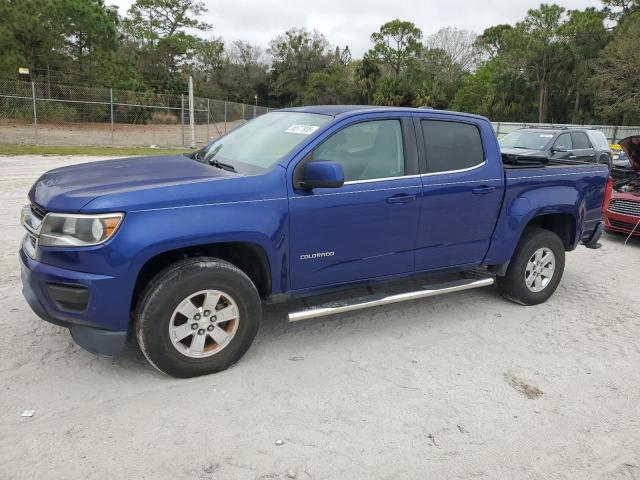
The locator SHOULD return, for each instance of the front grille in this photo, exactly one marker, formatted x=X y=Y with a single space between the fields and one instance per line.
x=624 y=225
x=38 y=211
x=625 y=207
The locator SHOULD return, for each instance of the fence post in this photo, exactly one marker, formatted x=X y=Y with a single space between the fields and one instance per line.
x=35 y=111
x=255 y=108
x=243 y=111
x=615 y=134
x=192 y=127
x=208 y=115
x=111 y=112
x=182 y=116
x=225 y=117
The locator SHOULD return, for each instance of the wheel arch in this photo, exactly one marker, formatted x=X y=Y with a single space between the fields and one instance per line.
x=249 y=257
x=565 y=225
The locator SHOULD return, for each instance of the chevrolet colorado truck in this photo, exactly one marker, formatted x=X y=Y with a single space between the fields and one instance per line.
x=184 y=250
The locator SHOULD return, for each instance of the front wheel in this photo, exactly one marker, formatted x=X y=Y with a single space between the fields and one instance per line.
x=535 y=269
x=198 y=316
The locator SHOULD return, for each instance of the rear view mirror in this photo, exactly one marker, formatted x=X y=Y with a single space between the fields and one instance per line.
x=323 y=174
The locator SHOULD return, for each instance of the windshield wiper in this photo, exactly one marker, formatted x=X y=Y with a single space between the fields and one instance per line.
x=223 y=166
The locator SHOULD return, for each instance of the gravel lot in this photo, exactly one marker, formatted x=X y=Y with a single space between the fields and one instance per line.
x=465 y=386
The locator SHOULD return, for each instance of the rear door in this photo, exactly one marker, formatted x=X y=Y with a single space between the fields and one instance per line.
x=462 y=191
x=366 y=228
x=582 y=148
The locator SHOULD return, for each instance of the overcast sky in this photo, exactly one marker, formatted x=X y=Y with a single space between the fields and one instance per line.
x=351 y=22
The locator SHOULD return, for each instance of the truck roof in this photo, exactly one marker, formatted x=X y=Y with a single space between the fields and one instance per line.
x=339 y=110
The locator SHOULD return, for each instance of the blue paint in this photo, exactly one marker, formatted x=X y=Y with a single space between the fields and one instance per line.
x=361 y=231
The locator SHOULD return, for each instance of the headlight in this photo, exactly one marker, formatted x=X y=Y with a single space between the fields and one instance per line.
x=69 y=230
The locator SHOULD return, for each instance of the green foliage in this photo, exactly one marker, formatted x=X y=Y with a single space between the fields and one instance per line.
x=157 y=28
x=296 y=55
x=498 y=92
x=366 y=76
x=617 y=75
x=554 y=65
x=396 y=45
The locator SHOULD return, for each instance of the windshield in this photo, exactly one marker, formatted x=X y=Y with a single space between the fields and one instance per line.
x=261 y=143
x=528 y=140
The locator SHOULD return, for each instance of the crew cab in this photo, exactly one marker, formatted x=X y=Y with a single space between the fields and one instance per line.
x=184 y=250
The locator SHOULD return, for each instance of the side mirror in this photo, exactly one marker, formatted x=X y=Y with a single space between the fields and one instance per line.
x=322 y=174
x=559 y=149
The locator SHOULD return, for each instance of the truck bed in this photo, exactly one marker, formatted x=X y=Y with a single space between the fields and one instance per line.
x=575 y=191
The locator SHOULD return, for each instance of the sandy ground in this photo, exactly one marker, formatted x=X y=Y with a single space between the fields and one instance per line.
x=465 y=386
x=100 y=134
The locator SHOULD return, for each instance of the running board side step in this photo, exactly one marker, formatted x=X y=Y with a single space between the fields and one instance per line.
x=369 y=301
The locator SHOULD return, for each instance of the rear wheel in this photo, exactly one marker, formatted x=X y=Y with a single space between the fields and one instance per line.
x=198 y=316
x=536 y=268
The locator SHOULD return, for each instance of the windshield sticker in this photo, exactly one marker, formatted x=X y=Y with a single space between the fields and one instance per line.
x=546 y=135
x=303 y=129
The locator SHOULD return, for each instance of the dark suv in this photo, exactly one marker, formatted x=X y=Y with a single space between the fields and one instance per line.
x=581 y=144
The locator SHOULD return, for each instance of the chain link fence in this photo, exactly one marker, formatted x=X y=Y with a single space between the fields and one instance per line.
x=51 y=114
x=613 y=133
x=45 y=113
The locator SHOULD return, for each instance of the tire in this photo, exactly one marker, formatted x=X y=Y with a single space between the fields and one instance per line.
x=514 y=286
x=190 y=286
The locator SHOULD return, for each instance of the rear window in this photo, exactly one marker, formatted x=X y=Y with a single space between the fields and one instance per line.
x=451 y=145
x=599 y=139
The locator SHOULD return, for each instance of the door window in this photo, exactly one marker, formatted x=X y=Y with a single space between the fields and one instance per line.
x=563 y=142
x=451 y=146
x=580 y=141
x=366 y=151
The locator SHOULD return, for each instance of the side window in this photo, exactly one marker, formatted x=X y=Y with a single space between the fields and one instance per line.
x=563 y=142
x=366 y=150
x=451 y=145
x=580 y=140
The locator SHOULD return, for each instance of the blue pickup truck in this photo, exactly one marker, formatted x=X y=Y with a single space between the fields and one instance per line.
x=184 y=250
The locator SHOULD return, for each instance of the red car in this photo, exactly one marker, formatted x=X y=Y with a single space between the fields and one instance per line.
x=622 y=202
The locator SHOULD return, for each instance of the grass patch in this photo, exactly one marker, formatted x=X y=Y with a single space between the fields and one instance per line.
x=98 y=151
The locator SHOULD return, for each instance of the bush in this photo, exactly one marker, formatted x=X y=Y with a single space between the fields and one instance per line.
x=56 y=112
x=163 y=118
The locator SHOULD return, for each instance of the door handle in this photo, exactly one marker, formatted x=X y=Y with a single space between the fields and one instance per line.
x=571 y=157
x=402 y=198
x=483 y=190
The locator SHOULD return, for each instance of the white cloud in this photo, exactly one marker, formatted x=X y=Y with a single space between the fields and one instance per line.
x=351 y=22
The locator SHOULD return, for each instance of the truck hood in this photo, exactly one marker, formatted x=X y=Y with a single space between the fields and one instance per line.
x=68 y=189
x=522 y=152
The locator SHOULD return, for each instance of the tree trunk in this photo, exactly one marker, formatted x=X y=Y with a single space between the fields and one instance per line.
x=576 y=106
x=542 y=101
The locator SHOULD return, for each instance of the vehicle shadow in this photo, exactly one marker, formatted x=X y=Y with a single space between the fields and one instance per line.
x=295 y=339
x=624 y=239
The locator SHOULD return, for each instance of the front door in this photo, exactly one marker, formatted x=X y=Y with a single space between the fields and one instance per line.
x=562 y=148
x=366 y=228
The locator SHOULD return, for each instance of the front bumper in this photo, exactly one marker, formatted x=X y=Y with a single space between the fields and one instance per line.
x=616 y=222
x=96 y=316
